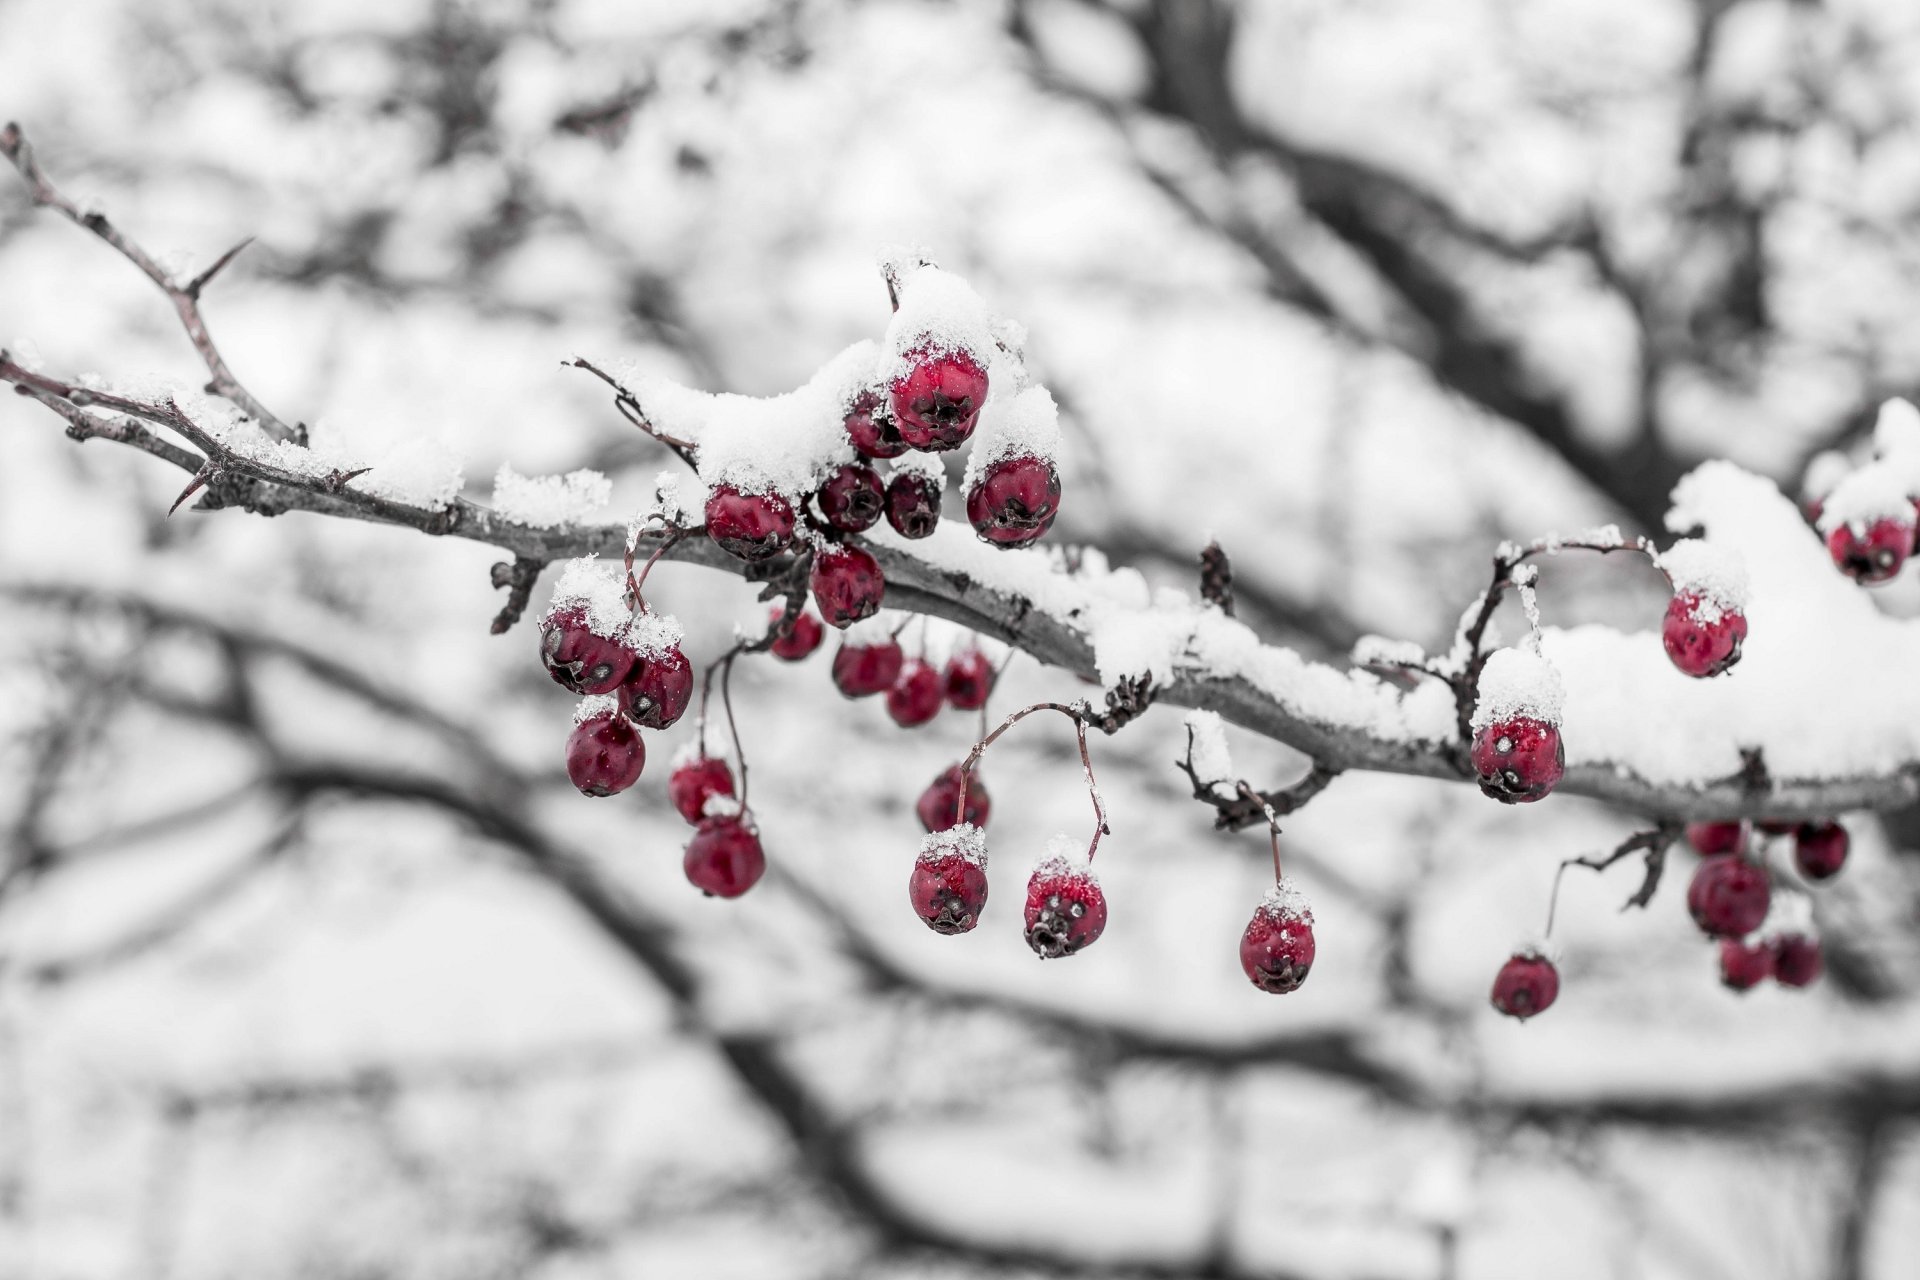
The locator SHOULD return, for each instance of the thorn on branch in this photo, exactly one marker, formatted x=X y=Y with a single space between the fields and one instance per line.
x=517 y=578
x=336 y=480
x=199 y=481
x=199 y=282
x=1216 y=578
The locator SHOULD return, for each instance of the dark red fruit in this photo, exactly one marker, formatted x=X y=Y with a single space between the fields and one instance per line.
x=939 y=804
x=1873 y=555
x=1702 y=639
x=1745 y=963
x=1728 y=896
x=752 y=526
x=847 y=584
x=697 y=781
x=656 y=695
x=1526 y=984
x=949 y=882
x=937 y=402
x=913 y=504
x=862 y=670
x=724 y=859
x=1066 y=912
x=871 y=431
x=852 y=499
x=916 y=695
x=1518 y=760
x=1777 y=826
x=1276 y=951
x=1716 y=837
x=801 y=639
x=970 y=680
x=1015 y=501
x=605 y=755
x=578 y=659
x=1820 y=849
x=1797 y=961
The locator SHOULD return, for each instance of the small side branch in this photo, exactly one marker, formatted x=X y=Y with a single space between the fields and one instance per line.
x=516 y=577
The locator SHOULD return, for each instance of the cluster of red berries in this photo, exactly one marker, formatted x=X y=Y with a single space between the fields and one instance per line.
x=633 y=676
x=1066 y=912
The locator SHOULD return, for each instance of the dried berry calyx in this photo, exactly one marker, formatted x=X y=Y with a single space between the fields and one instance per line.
x=1014 y=501
x=937 y=401
x=852 y=499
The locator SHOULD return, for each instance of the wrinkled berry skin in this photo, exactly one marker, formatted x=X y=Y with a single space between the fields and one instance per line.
x=1015 y=501
x=872 y=432
x=694 y=783
x=937 y=402
x=970 y=680
x=1744 y=964
x=916 y=696
x=913 y=504
x=851 y=498
x=1728 y=896
x=847 y=585
x=862 y=670
x=605 y=755
x=656 y=694
x=1526 y=984
x=1519 y=760
x=1698 y=647
x=801 y=640
x=1276 y=951
x=1065 y=914
x=948 y=892
x=724 y=859
x=939 y=802
x=1873 y=556
x=752 y=526
x=579 y=660
x=1820 y=849
x=1710 y=838
x=1797 y=961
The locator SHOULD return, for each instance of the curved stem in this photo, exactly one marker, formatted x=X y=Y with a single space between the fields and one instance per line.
x=733 y=727
x=1273 y=822
x=1079 y=716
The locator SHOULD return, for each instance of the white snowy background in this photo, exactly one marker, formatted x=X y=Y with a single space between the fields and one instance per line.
x=1357 y=288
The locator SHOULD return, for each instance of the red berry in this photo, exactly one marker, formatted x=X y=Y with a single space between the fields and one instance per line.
x=852 y=499
x=724 y=859
x=577 y=658
x=937 y=402
x=1777 y=826
x=1015 y=501
x=1526 y=984
x=872 y=432
x=697 y=781
x=970 y=680
x=916 y=695
x=1874 y=555
x=656 y=695
x=1745 y=963
x=1702 y=638
x=949 y=882
x=1728 y=896
x=847 y=584
x=1716 y=837
x=752 y=526
x=1066 y=912
x=1518 y=760
x=801 y=639
x=1276 y=951
x=604 y=754
x=939 y=804
x=862 y=670
x=1820 y=849
x=913 y=504
x=1797 y=961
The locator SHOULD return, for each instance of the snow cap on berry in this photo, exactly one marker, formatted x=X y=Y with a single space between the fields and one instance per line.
x=1876 y=492
x=1026 y=425
x=1537 y=947
x=963 y=841
x=1285 y=903
x=923 y=464
x=603 y=704
x=1517 y=683
x=1715 y=575
x=939 y=313
x=598 y=589
x=1066 y=858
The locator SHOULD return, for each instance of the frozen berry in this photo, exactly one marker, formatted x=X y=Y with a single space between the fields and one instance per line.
x=1526 y=984
x=1797 y=961
x=1874 y=554
x=1014 y=501
x=577 y=658
x=752 y=526
x=1518 y=760
x=970 y=680
x=1728 y=896
x=1745 y=963
x=916 y=695
x=697 y=781
x=937 y=402
x=801 y=639
x=1716 y=837
x=1820 y=849
x=949 y=882
x=862 y=670
x=852 y=499
x=872 y=431
x=1276 y=951
x=847 y=584
x=605 y=754
x=656 y=695
x=939 y=804
x=1701 y=637
x=724 y=859
x=1066 y=912
x=913 y=504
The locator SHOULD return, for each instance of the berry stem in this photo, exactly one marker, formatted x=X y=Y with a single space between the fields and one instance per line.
x=1273 y=819
x=635 y=600
x=1653 y=843
x=1079 y=714
x=733 y=727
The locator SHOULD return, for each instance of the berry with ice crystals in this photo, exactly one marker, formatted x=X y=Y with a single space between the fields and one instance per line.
x=913 y=504
x=1872 y=554
x=1518 y=760
x=697 y=781
x=1276 y=951
x=579 y=659
x=847 y=584
x=658 y=690
x=752 y=526
x=1014 y=501
x=1701 y=637
x=724 y=859
x=949 y=882
x=872 y=432
x=605 y=754
x=937 y=401
x=851 y=498
x=1066 y=912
